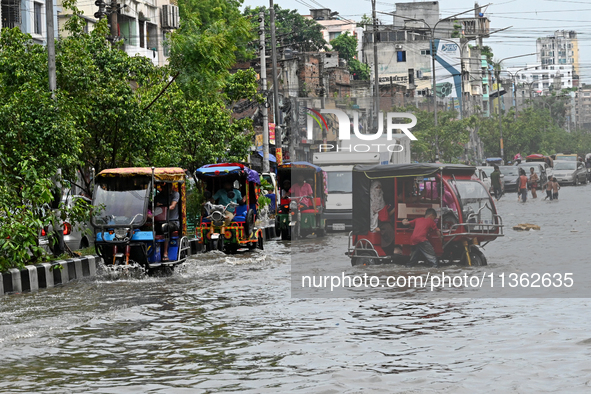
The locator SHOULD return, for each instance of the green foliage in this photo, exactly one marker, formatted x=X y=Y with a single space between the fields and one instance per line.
x=365 y=21
x=359 y=70
x=534 y=131
x=346 y=45
x=451 y=135
x=291 y=28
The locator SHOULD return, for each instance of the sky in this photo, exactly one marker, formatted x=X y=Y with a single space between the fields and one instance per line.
x=529 y=19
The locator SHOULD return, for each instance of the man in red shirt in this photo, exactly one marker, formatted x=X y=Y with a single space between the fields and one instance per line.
x=419 y=241
x=302 y=189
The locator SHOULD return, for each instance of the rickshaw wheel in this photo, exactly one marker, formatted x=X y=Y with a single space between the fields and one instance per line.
x=285 y=235
x=477 y=257
x=249 y=223
x=364 y=258
x=260 y=242
x=278 y=231
x=232 y=249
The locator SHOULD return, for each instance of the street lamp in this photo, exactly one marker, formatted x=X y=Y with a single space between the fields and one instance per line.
x=498 y=74
x=513 y=75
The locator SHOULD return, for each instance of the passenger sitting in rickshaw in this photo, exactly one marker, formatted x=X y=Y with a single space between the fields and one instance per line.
x=285 y=189
x=302 y=189
x=169 y=200
x=227 y=195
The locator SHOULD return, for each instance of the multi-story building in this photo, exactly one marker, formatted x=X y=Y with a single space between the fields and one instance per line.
x=534 y=80
x=332 y=26
x=582 y=117
x=560 y=49
x=404 y=52
x=142 y=25
x=29 y=16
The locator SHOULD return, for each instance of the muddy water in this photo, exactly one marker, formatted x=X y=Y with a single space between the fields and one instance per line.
x=228 y=324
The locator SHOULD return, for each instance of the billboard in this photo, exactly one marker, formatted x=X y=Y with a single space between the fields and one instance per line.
x=448 y=69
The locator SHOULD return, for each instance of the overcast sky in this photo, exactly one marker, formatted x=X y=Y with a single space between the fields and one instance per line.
x=529 y=20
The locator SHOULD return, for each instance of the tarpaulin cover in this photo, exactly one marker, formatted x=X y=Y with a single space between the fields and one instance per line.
x=272 y=157
x=170 y=174
x=223 y=169
x=364 y=174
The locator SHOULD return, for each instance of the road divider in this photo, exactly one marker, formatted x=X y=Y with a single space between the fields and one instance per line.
x=47 y=275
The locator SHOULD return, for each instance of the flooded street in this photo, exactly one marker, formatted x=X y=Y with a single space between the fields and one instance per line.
x=229 y=323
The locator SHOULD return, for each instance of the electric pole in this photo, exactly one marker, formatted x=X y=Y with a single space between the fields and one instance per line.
x=322 y=92
x=114 y=21
x=278 y=137
x=50 y=46
x=264 y=83
x=375 y=64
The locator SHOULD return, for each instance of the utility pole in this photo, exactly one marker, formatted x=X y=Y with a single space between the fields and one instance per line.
x=50 y=46
x=375 y=64
x=278 y=137
x=264 y=83
x=114 y=21
x=322 y=92
x=498 y=76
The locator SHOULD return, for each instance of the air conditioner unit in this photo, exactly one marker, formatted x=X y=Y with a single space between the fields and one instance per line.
x=170 y=16
x=398 y=46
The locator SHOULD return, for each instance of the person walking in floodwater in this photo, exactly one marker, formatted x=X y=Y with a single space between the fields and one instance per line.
x=549 y=186
x=555 y=188
x=522 y=185
x=495 y=181
x=533 y=182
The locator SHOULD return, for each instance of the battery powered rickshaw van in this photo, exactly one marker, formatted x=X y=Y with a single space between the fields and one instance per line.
x=132 y=219
x=241 y=232
x=467 y=215
x=301 y=215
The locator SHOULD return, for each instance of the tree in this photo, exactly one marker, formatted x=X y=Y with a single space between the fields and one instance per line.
x=291 y=29
x=346 y=45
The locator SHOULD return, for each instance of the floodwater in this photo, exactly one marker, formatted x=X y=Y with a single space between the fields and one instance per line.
x=229 y=324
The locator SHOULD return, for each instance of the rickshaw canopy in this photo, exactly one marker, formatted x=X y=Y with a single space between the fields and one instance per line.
x=161 y=174
x=223 y=169
x=300 y=165
x=535 y=156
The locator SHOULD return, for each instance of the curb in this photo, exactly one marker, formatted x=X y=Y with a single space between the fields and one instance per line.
x=42 y=276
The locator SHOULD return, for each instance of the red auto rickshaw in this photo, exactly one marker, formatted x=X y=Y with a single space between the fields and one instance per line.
x=467 y=215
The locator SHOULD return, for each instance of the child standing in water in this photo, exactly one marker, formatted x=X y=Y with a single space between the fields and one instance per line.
x=549 y=186
x=555 y=188
x=533 y=182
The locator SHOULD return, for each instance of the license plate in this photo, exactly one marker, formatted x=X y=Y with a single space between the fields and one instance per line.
x=215 y=236
x=292 y=224
x=338 y=227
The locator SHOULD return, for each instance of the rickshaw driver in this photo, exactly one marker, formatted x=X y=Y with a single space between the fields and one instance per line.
x=173 y=213
x=419 y=241
x=224 y=197
x=302 y=189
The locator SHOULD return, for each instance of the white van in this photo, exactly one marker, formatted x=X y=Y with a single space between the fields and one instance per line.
x=338 y=166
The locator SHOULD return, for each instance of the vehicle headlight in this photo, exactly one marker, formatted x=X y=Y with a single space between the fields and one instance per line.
x=121 y=232
x=217 y=216
x=293 y=205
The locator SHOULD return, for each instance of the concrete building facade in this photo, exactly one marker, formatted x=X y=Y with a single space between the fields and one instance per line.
x=559 y=49
x=143 y=26
x=29 y=16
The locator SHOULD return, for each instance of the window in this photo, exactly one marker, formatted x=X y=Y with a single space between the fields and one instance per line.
x=37 y=8
x=334 y=34
x=401 y=56
x=426 y=52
